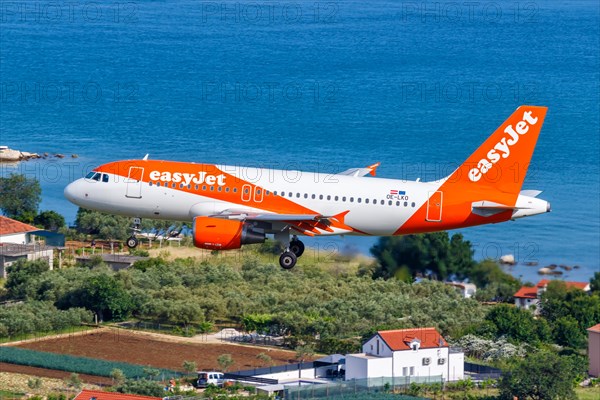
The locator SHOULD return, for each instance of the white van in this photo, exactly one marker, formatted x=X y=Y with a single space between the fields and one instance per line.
x=206 y=378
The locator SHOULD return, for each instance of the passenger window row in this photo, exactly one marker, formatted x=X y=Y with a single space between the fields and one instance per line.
x=298 y=195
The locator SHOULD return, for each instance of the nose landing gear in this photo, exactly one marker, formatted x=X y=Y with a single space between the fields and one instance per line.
x=132 y=241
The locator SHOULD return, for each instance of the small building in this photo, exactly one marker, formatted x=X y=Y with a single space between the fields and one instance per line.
x=467 y=290
x=11 y=252
x=115 y=261
x=17 y=241
x=417 y=352
x=86 y=394
x=528 y=297
x=13 y=231
x=594 y=350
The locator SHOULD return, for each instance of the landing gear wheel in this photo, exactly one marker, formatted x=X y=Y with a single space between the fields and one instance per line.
x=132 y=242
x=297 y=247
x=287 y=260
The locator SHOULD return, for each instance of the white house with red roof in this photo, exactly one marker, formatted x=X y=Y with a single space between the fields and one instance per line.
x=86 y=394
x=16 y=243
x=416 y=352
x=594 y=350
x=529 y=296
x=12 y=231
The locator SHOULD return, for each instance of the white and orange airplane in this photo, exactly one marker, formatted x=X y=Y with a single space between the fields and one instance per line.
x=231 y=206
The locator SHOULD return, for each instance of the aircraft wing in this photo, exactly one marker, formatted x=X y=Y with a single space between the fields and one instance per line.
x=358 y=172
x=307 y=224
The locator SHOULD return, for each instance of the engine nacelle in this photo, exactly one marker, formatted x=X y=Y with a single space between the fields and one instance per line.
x=224 y=234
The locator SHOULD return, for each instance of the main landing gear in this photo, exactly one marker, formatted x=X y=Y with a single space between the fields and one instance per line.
x=294 y=249
x=133 y=241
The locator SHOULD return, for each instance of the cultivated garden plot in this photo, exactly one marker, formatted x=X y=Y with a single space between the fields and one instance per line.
x=157 y=351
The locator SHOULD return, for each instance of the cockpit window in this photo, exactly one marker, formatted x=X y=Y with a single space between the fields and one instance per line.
x=96 y=176
x=104 y=178
x=90 y=175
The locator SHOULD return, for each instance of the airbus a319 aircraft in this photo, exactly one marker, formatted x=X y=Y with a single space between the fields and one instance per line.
x=231 y=206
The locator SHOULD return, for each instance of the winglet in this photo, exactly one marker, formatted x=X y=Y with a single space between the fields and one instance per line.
x=145 y=157
x=373 y=168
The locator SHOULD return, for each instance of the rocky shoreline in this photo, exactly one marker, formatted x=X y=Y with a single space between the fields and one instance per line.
x=11 y=155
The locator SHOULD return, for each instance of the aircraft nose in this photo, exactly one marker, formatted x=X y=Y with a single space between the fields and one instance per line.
x=73 y=192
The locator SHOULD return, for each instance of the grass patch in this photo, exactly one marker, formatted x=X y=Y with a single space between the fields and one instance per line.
x=588 y=393
x=41 y=335
x=8 y=395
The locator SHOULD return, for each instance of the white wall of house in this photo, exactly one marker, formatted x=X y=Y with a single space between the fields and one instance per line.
x=526 y=303
x=377 y=347
x=421 y=362
x=456 y=366
x=415 y=363
x=18 y=238
x=361 y=366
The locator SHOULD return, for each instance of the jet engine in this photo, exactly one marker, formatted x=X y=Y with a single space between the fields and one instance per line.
x=224 y=234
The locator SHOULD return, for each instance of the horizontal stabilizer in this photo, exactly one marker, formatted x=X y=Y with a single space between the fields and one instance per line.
x=530 y=193
x=488 y=208
x=358 y=172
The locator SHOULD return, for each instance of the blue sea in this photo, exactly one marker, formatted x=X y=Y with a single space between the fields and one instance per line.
x=318 y=86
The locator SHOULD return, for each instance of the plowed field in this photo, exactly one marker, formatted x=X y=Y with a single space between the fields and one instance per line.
x=157 y=350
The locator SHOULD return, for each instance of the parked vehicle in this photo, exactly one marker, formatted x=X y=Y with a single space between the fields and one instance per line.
x=206 y=378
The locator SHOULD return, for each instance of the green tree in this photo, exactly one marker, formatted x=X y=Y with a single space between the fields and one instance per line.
x=225 y=361
x=145 y=387
x=117 y=376
x=74 y=381
x=568 y=333
x=494 y=284
x=435 y=253
x=151 y=373
x=304 y=352
x=517 y=324
x=540 y=376
x=569 y=306
x=20 y=275
x=49 y=220
x=34 y=383
x=104 y=226
x=20 y=198
x=265 y=359
x=189 y=366
x=595 y=283
x=104 y=295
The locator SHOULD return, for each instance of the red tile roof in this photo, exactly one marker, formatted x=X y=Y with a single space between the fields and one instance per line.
x=595 y=328
x=527 y=292
x=531 y=292
x=579 y=285
x=400 y=339
x=86 y=394
x=9 y=226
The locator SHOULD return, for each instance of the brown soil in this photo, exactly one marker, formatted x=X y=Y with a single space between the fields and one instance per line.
x=158 y=351
x=51 y=373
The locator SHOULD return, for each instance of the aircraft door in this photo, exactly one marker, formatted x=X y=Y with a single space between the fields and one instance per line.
x=434 y=207
x=134 y=182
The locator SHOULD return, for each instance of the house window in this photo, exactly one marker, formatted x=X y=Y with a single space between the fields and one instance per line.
x=412 y=370
x=377 y=346
x=404 y=371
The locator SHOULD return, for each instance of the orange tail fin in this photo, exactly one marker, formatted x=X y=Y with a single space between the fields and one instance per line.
x=501 y=162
